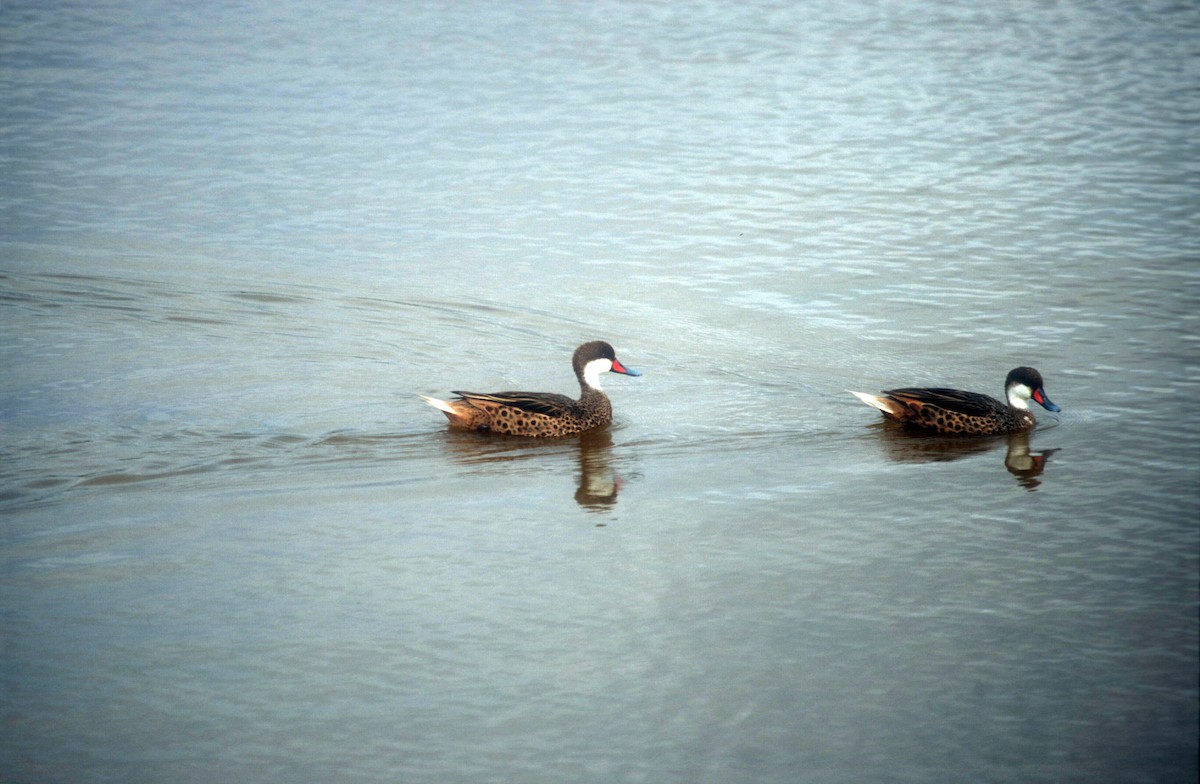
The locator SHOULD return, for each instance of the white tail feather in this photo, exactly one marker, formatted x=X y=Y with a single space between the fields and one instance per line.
x=875 y=401
x=440 y=405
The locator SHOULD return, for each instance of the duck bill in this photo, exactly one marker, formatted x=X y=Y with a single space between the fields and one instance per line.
x=1039 y=397
x=619 y=368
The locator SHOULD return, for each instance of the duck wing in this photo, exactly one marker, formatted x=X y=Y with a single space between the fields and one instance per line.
x=545 y=403
x=972 y=404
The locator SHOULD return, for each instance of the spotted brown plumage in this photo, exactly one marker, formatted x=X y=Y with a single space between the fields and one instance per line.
x=955 y=412
x=541 y=414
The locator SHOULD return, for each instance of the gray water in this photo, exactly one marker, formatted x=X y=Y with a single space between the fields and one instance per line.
x=237 y=240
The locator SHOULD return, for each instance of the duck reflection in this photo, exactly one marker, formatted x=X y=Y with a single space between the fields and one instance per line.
x=1025 y=464
x=597 y=483
x=904 y=445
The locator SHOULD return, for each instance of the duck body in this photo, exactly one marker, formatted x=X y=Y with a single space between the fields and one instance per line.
x=956 y=412
x=541 y=414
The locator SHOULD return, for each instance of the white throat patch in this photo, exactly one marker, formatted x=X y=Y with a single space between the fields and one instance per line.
x=593 y=369
x=1019 y=395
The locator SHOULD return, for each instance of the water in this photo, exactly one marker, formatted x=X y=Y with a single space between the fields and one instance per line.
x=237 y=241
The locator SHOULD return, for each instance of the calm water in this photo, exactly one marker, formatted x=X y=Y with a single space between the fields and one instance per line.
x=237 y=240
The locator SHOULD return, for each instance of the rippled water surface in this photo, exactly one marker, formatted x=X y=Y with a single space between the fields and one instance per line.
x=238 y=240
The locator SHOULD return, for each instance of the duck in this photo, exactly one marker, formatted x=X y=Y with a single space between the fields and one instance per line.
x=955 y=412
x=541 y=414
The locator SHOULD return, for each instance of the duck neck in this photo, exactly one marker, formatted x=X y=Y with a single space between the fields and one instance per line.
x=589 y=377
x=589 y=392
x=595 y=404
x=591 y=395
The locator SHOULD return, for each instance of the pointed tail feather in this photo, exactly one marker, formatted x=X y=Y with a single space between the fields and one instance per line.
x=458 y=416
x=440 y=405
x=884 y=404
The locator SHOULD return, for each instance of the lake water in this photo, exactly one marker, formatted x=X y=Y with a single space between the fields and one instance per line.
x=237 y=240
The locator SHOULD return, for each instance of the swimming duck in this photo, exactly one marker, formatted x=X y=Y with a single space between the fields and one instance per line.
x=955 y=412
x=541 y=414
